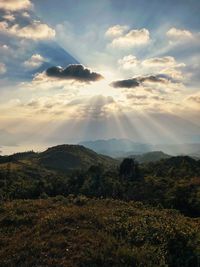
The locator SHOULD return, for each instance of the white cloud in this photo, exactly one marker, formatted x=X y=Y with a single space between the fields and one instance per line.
x=128 y=62
x=4 y=47
x=34 y=62
x=193 y=101
x=25 y=14
x=158 y=65
x=167 y=61
x=132 y=38
x=35 y=31
x=9 y=17
x=2 y=68
x=116 y=30
x=15 y=5
x=177 y=34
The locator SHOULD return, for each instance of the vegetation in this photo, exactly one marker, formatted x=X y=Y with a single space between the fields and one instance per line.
x=77 y=231
x=79 y=208
x=153 y=156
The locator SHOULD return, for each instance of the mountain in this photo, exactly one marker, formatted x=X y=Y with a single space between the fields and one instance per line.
x=126 y=148
x=61 y=158
x=116 y=147
x=150 y=156
x=178 y=149
x=69 y=157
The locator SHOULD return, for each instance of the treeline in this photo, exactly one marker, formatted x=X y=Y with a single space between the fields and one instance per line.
x=171 y=183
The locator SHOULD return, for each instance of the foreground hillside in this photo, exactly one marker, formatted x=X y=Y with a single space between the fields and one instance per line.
x=62 y=170
x=78 y=232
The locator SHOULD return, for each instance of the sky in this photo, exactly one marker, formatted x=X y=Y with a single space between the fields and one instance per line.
x=74 y=70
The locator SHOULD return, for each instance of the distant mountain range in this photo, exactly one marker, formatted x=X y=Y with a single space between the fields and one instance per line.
x=125 y=147
x=117 y=147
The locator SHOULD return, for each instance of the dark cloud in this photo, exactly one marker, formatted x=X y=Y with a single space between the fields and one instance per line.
x=74 y=72
x=137 y=81
x=129 y=83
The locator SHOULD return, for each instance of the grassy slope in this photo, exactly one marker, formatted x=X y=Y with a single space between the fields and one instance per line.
x=76 y=232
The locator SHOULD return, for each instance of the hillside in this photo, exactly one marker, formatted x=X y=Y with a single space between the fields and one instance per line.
x=70 y=157
x=179 y=167
x=80 y=232
x=172 y=183
x=61 y=158
x=150 y=157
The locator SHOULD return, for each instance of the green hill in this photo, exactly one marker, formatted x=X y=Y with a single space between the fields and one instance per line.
x=61 y=158
x=150 y=156
x=70 y=157
x=179 y=167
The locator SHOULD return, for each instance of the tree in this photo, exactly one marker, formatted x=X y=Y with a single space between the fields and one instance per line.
x=129 y=170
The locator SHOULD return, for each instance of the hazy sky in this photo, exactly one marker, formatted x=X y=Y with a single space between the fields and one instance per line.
x=79 y=70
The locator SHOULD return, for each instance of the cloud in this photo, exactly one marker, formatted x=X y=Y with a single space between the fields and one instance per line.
x=132 y=38
x=34 y=31
x=167 y=61
x=116 y=31
x=177 y=34
x=138 y=97
x=166 y=65
x=2 y=68
x=75 y=72
x=9 y=17
x=137 y=81
x=15 y=5
x=4 y=48
x=34 y=62
x=194 y=98
x=193 y=101
x=129 y=83
x=95 y=107
x=128 y=62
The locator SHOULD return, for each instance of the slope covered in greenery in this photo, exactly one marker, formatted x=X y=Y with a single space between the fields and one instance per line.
x=171 y=183
x=81 y=232
x=150 y=156
x=68 y=157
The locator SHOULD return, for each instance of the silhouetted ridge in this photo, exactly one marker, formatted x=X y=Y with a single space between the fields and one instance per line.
x=66 y=157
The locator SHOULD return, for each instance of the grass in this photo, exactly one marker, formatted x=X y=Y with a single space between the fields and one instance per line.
x=77 y=231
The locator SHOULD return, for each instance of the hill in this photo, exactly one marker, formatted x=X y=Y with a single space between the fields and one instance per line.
x=70 y=157
x=179 y=167
x=69 y=169
x=81 y=232
x=150 y=156
x=61 y=158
